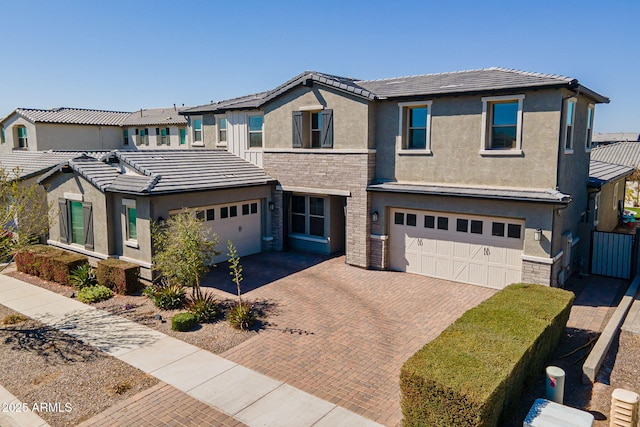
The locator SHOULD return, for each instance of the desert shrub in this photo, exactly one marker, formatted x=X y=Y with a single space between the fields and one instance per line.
x=94 y=293
x=28 y=259
x=166 y=296
x=203 y=306
x=241 y=316
x=12 y=319
x=183 y=322
x=83 y=276
x=121 y=276
x=478 y=366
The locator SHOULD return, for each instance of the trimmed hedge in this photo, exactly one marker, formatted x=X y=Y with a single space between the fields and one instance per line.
x=183 y=322
x=49 y=263
x=120 y=276
x=478 y=366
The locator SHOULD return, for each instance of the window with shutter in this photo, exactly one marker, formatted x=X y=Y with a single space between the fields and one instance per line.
x=312 y=129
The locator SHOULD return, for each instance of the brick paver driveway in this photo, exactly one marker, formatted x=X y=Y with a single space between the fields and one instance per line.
x=341 y=332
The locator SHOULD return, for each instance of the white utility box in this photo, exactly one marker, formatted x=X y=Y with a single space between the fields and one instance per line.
x=545 y=413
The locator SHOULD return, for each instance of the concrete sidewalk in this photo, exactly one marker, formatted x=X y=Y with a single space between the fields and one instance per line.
x=247 y=396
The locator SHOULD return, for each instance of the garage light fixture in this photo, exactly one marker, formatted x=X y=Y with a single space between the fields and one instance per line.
x=537 y=235
x=271 y=206
x=374 y=217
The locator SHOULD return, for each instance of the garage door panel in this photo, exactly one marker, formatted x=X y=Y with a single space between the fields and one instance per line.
x=479 y=258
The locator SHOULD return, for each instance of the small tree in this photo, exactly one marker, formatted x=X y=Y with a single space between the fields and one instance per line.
x=183 y=249
x=24 y=213
x=635 y=178
x=240 y=316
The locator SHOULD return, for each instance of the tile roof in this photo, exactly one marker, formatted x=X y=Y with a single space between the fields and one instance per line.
x=616 y=136
x=166 y=171
x=510 y=194
x=620 y=153
x=156 y=116
x=32 y=163
x=459 y=82
x=76 y=116
x=601 y=173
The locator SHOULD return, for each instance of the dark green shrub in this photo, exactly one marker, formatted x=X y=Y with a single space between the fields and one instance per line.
x=83 y=276
x=63 y=264
x=121 y=276
x=203 y=306
x=183 y=322
x=478 y=366
x=241 y=316
x=94 y=293
x=167 y=297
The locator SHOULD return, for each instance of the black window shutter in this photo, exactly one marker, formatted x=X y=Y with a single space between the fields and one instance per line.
x=327 y=128
x=64 y=220
x=87 y=213
x=297 y=129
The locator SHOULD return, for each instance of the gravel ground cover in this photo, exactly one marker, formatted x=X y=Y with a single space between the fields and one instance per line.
x=216 y=337
x=41 y=365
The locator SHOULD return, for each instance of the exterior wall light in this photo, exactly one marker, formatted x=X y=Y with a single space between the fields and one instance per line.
x=374 y=217
x=271 y=206
x=537 y=235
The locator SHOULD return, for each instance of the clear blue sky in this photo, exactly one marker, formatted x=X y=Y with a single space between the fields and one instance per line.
x=126 y=55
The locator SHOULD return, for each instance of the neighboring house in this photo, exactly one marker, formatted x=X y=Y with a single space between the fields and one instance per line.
x=606 y=194
x=476 y=176
x=28 y=129
x=626 y=153
x=106 y=206
x=156 y=128
x=600 y=139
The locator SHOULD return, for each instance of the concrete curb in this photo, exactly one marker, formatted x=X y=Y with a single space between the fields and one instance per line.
x=598 y=353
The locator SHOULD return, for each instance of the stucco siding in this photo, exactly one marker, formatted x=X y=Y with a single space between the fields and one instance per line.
x=608 y=211
x=350 y=117
x=456 y=136
x=10 y=134
x=78 y=137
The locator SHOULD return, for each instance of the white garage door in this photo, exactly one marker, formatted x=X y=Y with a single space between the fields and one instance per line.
x=239 y=222
x=482 y=251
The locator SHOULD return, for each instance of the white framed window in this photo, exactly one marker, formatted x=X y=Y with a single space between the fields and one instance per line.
x=22 y=138
x=142 y=136
x=312 y=127
x=130 y=222
x=316 y=128
x=222 y=130
x=588 y=141
x=596 y=209
x=414 y=127
x=197 y=130
x=615 y=195
x=569 y=124
x=255 y=126
x=502 y=125
x=2 y=140
x=125 y=136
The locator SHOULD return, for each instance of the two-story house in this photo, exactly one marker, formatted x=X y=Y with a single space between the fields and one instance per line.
x=156 y=128
x=476 y=176
x=28 y=129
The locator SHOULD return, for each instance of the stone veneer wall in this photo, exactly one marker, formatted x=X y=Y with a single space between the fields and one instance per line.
x=540 y=273
x=378 y=257
x=346 y=171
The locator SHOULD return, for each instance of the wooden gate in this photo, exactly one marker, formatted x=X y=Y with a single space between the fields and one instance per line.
x=612 y=254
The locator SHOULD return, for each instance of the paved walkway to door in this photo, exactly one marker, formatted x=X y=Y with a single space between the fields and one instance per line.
x=342 y=333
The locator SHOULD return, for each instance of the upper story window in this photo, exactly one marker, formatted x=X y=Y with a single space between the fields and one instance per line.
x=125 y=136
x=2 y=140
x=255 y=131
x=197 y=130
x=569 y=121
x=313 y=128
x=502 y=125
x=163 y=136
x=183 y=136
x=222 y=131
x=142 y=136
x=415 y=126
x=23 y=140
x=589 y=134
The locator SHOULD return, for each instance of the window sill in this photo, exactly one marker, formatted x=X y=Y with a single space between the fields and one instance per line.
x=221 y=145
x=197 y=144
x=308 y=238
x=502 y=153
x=587 y=150
x=568 y=151
x=255 y=149
x=132 y=244
x=415 y=152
